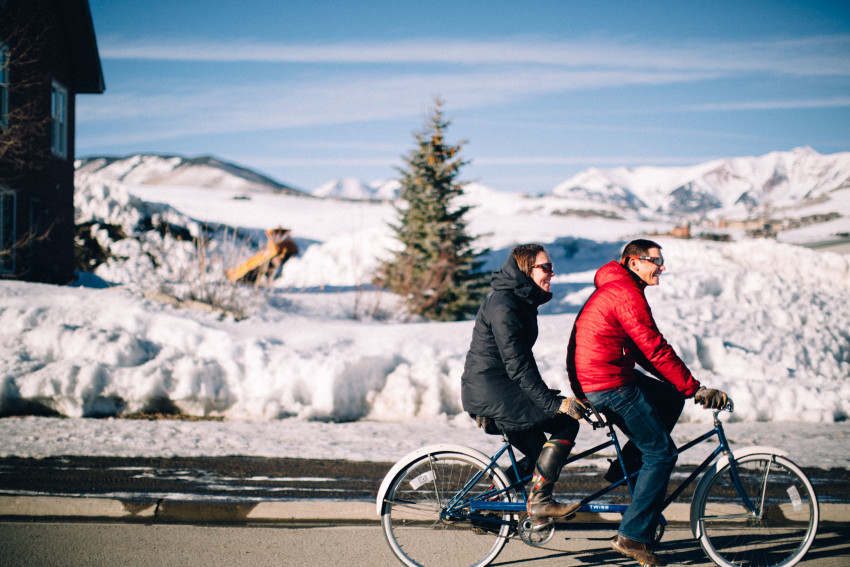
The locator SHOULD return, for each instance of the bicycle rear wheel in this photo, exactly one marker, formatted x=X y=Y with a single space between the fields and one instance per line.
x=781 y=530
x=419 y=529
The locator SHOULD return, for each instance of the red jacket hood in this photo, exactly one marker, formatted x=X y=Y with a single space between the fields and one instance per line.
x=613 y=272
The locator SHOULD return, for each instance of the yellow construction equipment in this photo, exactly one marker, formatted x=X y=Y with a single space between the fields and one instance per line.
x=279 y=248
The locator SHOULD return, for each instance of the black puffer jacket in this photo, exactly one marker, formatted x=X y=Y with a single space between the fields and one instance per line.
x=500 y=377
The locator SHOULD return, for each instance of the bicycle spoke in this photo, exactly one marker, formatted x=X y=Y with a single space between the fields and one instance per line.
x=422 y=531
x=779 y=530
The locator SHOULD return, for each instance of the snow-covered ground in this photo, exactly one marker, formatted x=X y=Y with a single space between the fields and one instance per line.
x=325 y=366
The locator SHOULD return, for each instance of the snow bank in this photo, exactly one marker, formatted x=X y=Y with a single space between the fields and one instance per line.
x=766 y=322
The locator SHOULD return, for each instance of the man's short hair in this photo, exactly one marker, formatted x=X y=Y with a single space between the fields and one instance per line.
x=639 y=247
x=525 y=255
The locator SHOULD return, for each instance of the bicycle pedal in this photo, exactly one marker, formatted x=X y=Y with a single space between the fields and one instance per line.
x=540 y=525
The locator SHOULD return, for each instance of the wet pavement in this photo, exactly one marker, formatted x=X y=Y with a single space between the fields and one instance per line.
x=259 y=479
x=246 y=479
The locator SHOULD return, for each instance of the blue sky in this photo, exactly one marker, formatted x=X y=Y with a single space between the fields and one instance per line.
x=307 y=92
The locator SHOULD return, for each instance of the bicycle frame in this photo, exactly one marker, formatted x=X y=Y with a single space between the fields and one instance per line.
x=489 y=502
x=451 y=490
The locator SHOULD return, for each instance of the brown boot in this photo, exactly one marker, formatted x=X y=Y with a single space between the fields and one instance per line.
x=636 y=550
x=541 y=506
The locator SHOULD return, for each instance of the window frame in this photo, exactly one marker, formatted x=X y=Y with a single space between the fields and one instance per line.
x=59 y=108
x=5 y=85
x=8 y=229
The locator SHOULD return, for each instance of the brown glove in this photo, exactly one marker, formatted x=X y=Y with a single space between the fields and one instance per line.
x=710 y=398
x=482 y=421
x=573 y=408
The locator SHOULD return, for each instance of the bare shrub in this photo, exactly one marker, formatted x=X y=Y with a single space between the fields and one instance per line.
x=194 y=271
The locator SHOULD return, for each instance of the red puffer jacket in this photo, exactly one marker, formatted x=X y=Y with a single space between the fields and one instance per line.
x=614 y=331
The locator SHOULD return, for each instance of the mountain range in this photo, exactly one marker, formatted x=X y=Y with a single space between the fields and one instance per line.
x=778 y=180
x=355 y=189
x=796 y=182
x=155 y=169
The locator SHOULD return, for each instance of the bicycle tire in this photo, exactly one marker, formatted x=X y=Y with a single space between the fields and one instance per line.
x=779 y=535
x=412 y=522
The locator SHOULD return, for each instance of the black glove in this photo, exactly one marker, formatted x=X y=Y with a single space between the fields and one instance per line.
x=573 y=408
x=710 y=398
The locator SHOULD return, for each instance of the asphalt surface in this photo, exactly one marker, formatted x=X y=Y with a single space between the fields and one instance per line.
x=87 y=544
x=258 y=490
x=264 y=479
x=257 y=511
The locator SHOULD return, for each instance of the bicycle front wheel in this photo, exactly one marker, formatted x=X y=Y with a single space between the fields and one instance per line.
x=780 y=530
x=420 y=529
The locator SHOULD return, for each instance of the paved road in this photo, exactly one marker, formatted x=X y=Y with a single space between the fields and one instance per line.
x=26 y=544
x=90 y=512
x=261 y=479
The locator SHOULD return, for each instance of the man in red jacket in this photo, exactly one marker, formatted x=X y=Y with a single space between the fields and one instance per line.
x=614 y=331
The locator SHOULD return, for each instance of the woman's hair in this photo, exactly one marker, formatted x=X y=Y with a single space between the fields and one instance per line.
x=525 y=255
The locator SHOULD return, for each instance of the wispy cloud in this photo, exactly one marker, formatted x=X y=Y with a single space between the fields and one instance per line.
x=807 y=56
x=600 y=160
x=827 y=102
x=283 y=103
x=320 y=162
x=362 y=82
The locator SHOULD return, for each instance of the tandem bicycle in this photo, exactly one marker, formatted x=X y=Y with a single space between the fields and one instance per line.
x=446 y=504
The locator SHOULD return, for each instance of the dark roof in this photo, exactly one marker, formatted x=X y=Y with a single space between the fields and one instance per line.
x=87 y=70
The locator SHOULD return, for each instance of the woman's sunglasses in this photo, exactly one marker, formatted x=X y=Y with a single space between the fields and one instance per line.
x=548 y=267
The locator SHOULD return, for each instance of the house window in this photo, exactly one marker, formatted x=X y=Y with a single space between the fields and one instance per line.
x=4 y=85
x=59 y=126
x=7 y=231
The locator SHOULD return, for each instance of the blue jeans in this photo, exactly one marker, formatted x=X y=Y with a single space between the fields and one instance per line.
x=629 y=409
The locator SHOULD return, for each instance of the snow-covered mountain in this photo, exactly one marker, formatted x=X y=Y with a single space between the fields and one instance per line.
x=355 y=189
x=788 y=184
x=208 y=172
x=777 y=180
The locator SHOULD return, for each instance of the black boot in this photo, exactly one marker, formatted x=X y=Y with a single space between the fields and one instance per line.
x=541 y=507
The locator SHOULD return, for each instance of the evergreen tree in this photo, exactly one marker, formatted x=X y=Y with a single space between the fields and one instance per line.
x=436 y=271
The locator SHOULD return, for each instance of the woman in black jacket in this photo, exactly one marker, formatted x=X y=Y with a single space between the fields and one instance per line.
x=502 y=385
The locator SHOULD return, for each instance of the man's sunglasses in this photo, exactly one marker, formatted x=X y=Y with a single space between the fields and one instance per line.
x=658 y=261
x=548 y=267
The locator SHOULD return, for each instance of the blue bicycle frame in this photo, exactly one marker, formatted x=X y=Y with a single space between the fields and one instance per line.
x=490 y=501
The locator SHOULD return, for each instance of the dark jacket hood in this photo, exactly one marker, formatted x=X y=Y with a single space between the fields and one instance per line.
x=511 y=278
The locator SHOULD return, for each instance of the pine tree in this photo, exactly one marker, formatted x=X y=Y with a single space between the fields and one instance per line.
x=437 y=270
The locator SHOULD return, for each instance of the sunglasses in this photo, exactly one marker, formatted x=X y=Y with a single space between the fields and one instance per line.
x=659 y=261
x=548 y=267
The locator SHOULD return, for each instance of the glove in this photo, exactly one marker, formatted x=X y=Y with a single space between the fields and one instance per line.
x=573 y=408
x=709 y=398
x=483 y=421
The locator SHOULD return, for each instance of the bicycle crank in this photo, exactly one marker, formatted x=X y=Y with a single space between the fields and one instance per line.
x=532 y=537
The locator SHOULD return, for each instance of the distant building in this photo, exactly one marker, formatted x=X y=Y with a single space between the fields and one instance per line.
x=48 y=55
x=682 y=231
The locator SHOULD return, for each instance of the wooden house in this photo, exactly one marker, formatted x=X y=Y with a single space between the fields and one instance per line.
x=48 y=55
